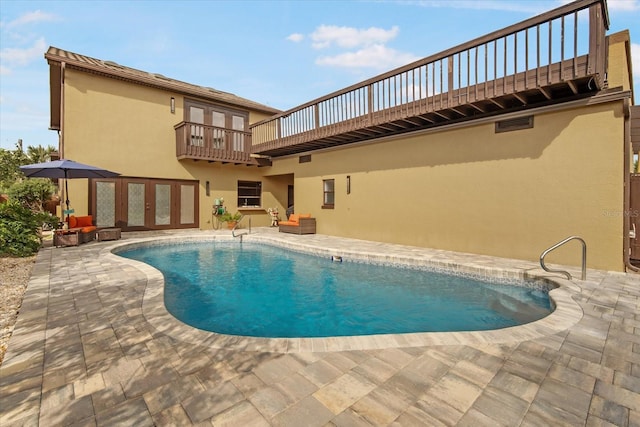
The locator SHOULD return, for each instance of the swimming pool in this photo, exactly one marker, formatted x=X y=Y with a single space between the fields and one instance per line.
x=262 y=291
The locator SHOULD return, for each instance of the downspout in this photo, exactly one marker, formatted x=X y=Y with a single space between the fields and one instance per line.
x=626 y=107
x=63 y=195
x=61 y=131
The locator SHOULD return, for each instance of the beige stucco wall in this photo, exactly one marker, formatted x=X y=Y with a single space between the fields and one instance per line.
x=618 y=73
x=471 y=190
x=128 y=129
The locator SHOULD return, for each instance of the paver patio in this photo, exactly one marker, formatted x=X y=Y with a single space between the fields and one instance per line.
x=88 y=350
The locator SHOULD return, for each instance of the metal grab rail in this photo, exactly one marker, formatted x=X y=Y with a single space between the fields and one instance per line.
x=557 y=245
x=233 y=230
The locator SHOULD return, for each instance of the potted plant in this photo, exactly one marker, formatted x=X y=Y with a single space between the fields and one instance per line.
x=231 y=219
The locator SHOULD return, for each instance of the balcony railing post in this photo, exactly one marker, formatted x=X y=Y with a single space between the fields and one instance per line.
x=449 y=80
x=596 y=42
x=278 y=129
x=180 y=139
x=370 y=103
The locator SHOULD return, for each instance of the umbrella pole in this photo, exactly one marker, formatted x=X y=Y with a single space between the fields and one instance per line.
x=66 y=193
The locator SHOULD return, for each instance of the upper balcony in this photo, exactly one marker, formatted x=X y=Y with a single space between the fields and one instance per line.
x=215 y=144
x=554 y=57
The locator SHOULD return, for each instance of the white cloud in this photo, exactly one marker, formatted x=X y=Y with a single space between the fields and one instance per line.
x=11 y=57
x=295 y=37
x=31 y=17
x=356 y=48
x=349 y=37
x=374 y=56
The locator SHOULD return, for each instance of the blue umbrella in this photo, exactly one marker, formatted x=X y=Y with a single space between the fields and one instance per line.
x=66 y=169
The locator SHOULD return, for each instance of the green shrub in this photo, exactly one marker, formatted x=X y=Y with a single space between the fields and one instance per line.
x=229 y=217
x=18 y=230
x=32 y=193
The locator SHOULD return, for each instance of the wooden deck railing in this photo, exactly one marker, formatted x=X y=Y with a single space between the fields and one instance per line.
x=201 y=142
x=562 y=45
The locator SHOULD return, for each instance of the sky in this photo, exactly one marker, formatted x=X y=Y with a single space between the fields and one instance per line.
x=278 y=53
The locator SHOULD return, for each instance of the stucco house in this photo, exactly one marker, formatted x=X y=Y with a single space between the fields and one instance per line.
x=501 y=146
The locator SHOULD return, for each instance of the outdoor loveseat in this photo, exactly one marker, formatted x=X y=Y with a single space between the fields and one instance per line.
x=80 y=230
x=298 y=224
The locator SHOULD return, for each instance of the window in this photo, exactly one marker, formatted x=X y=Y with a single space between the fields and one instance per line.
x=238 y=137
x=329 y=193
x=197 y=132
x=249 y=194
x=218 y=120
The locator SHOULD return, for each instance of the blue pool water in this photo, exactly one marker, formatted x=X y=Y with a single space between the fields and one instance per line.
x=263 y=291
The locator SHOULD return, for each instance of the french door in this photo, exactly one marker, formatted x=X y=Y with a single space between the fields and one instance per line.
x=134 y=204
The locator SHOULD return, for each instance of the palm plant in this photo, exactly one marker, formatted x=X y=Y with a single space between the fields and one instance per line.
x=40 y=154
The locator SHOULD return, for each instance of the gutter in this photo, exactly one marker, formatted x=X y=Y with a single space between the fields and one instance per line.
x=63 y=195
x=61 y=130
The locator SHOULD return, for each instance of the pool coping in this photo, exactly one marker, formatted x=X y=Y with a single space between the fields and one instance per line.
x=566 y=314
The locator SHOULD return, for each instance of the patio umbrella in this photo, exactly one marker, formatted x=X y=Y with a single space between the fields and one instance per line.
x=66 y=169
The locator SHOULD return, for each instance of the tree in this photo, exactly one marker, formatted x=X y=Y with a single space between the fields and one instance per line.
x=10 y=162
x=40 y=154
x=22 y=217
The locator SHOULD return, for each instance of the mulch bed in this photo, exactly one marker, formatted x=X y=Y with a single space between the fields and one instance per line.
x=14 y=277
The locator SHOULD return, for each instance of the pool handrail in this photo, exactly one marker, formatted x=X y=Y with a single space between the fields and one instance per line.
x=557 y=245
x=233 y=230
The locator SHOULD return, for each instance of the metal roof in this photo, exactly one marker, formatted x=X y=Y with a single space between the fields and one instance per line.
x=112 y=69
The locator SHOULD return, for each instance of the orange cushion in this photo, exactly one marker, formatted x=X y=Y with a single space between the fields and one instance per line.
x=85 y=221
x=73 y=221
x=288 y=223
x=88 y=229
x=294 y=218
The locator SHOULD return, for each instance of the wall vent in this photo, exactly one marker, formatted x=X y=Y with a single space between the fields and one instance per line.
x=514 y=124
x=304 y=159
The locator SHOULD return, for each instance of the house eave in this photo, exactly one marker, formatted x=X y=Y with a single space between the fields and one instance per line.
x=130 y=75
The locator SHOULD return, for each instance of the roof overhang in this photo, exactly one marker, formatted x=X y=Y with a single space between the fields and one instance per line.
x=56 y=56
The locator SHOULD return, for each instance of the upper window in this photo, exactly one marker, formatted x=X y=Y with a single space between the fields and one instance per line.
x=249 y=194
x=329 y=196
x=196 y=115
x=218 y=120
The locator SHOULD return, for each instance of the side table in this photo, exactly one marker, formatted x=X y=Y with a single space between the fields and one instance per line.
x=108 y=234
x=65 y=238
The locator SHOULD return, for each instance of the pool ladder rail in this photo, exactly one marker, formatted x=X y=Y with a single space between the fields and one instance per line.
x=233 y=230
x=556 y=246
